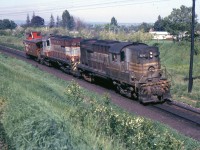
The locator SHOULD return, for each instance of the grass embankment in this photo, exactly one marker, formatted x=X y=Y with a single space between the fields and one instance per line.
x=176 y=58
x=43 y=112
x=11 y=41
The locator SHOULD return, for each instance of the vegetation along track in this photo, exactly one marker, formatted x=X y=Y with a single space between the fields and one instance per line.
x=178 y=110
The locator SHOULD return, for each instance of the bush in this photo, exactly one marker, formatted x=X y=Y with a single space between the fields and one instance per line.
x=198 y=104
x=134 y=132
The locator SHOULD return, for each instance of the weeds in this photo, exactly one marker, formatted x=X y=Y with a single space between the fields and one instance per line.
x=43 y=112
x=133 y=132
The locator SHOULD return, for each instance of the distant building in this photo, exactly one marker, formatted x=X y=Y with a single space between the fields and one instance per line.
x=161 y=35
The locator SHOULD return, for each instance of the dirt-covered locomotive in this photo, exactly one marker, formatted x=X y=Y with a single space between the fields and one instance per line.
x=133 y=68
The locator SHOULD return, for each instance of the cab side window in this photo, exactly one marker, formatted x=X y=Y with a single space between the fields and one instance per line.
x=122 y=56
x=114 y=57
x=48 y=43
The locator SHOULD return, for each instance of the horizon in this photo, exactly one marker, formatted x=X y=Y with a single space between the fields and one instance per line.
x=21 y=22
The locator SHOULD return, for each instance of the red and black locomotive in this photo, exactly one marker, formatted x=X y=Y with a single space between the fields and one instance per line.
x=133 y=68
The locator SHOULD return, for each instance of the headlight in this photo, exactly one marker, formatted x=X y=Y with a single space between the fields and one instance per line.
x=151 y=55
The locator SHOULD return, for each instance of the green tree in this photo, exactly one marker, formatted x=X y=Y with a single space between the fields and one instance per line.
x=1 y=24
x=65 y=19
x=7 y=24
x=37 y=21
x=28 y=22
x=107 y=27
x=113 y=21
x=33 y=15
x=113 y=25
x=52 y=22
x=145 y=27
x=13 y=25
x=58 y=22
x=159 y=25
x=179 y=20
x=71 y=23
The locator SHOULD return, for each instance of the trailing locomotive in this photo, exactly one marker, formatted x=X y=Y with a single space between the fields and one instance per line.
x=133 y=68
x=33 y=44
x=63 y=51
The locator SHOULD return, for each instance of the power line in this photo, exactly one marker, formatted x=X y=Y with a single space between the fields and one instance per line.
x=89 y=6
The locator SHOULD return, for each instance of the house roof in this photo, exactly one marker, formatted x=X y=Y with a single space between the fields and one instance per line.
x=159 y=32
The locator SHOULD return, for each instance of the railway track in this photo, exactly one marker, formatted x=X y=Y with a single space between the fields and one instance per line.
x=174 y=108
x=181 y=110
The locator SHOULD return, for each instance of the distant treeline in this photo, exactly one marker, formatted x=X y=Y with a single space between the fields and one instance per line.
x=7 y=24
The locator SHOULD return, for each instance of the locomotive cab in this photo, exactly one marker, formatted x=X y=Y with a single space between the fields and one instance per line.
x=145 y=68
x=137 y=67
x=144 y=63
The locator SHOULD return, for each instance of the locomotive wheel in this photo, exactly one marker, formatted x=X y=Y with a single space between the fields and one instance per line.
x=41 y=61
x=88 y=78
x=28 y=56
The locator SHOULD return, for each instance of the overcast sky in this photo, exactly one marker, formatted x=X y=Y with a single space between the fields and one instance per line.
x=125 y=11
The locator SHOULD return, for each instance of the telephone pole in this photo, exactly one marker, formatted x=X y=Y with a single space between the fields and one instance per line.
x=192 y=49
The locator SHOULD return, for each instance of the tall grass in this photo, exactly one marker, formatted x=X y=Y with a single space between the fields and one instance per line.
x=13 y=42
x=176 y=58
x=43 y=112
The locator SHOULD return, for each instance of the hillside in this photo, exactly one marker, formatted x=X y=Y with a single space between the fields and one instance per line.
x=43 y=112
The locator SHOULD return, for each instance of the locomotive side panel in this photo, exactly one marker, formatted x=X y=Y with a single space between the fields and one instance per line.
x=63 y=49
x=94 y=58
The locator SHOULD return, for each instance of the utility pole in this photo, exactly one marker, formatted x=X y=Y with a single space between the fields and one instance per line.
x=192 y=50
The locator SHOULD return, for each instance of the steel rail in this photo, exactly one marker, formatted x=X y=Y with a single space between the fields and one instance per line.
x=181 y=110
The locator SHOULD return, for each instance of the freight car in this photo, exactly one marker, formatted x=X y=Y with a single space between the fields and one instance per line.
x=133 y=68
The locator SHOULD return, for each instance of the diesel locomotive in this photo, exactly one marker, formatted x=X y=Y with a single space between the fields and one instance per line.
x=133 y=68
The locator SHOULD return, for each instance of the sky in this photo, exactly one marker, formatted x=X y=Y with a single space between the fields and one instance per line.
x=125 y=11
